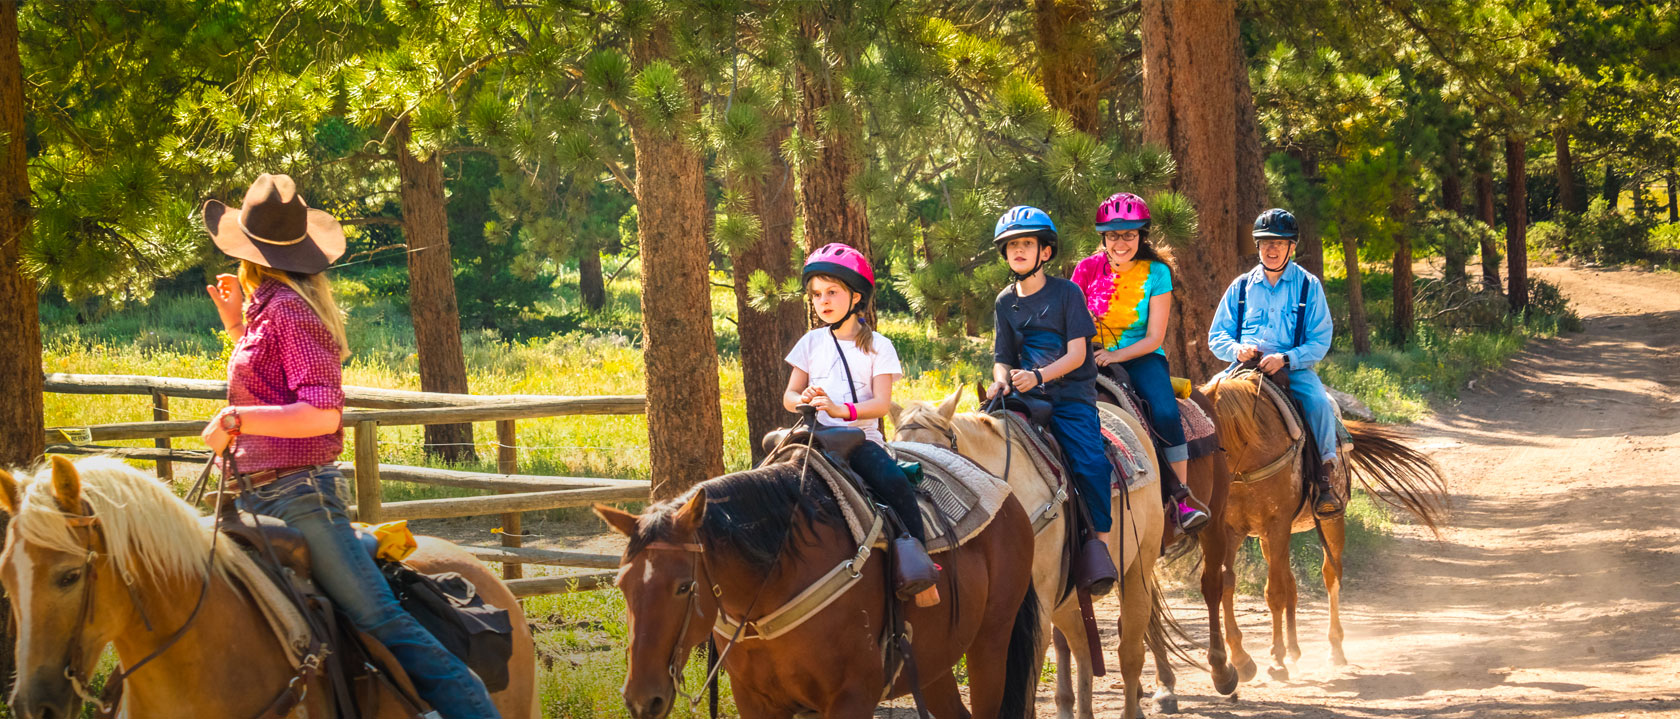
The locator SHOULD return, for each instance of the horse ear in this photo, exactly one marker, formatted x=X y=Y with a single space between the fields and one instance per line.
x=980 y=393
x=67 y=485
x=948 y=407
x=689 y=516
x=9 y=499
x=617 y=519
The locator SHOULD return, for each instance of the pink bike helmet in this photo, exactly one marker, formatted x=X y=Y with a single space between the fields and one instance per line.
x=843 y=261
x=1122 y=211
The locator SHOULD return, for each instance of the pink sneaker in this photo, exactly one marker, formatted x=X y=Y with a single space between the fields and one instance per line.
x=1190 y=519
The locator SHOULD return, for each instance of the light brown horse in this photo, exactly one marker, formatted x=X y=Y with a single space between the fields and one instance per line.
x=745 y=544
x=96 y=549
x=1269 y=505
x=1138 y=520
x=1210 y=481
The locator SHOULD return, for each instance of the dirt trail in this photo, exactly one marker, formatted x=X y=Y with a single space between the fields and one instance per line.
x=1555 y=589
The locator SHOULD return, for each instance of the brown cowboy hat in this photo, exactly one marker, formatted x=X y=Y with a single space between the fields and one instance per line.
x=275 y=228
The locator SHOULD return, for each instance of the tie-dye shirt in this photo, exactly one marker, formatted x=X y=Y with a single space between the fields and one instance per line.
x=1120 y=303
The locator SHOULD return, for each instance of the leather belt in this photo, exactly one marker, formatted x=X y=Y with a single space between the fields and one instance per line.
x=268 y=476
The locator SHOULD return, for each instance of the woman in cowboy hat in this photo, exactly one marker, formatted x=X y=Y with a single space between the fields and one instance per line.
x=285 y=398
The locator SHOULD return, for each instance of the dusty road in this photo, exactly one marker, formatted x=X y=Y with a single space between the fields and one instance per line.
x=1555 y=589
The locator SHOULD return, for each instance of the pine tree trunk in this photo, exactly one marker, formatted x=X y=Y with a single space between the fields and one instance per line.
x=21 y=413
x=831 y=213
x=1358 y=328
x=1452 y=200
x=431 y=293
x=1612 y=190
x=1309 y=248
x=765 y=336
x=1516 y=222
x=591 y=283
x=1484 y=211
x=1641 y=206
x=1190 y=99
x=1673 y=198
x=684 y=412
x=1566 y=190
x=1067 y=59
x=1251 y=164
x=1404 y=311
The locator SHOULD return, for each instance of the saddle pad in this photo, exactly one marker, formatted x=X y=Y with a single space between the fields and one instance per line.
x=1134 y=457
x=1198 y=429
x=965 y=496
x=283 y=617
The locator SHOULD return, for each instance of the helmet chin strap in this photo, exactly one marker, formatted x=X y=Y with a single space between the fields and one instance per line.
x=1023 y=277
x=1290 y=257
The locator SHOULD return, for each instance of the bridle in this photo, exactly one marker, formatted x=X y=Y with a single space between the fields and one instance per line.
x=949 y=434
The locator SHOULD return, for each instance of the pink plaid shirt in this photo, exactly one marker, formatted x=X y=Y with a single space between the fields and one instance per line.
x=286 y=356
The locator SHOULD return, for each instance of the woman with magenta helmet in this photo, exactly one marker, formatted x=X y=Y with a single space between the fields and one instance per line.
x=1128 y=288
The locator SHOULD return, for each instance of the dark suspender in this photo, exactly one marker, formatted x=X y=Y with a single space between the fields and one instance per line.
x=844 y=365
x=1300 y=312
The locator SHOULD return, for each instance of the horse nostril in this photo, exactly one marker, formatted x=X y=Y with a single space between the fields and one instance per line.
x=656 y=707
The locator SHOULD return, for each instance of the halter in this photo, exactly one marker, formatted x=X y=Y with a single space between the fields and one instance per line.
x=949 y=434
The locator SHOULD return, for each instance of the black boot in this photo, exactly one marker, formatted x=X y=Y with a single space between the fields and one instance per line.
x=916 y=571
x=1326 y=504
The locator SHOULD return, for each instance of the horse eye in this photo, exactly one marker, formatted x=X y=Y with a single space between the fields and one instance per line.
x=685 y=588
x=69 y=578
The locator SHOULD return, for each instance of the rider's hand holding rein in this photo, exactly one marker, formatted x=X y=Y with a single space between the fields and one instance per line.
x=1273 y=362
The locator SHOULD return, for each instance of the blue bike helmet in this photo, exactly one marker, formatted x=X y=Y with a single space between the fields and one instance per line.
x=1024 y=220
x=1275 y=223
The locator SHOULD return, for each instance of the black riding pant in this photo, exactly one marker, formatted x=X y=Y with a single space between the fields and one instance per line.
x=889 y=485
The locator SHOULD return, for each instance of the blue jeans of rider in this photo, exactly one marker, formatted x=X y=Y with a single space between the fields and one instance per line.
x=1076 y=427
x=1320 y=409
x=1153 y=383
x=343 y=569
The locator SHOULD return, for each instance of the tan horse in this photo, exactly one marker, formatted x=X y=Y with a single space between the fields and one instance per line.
x=1138 y=520
x=96 y=549
x=1268 y=504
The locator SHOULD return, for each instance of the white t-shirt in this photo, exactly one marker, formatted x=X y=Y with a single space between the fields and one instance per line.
x=815 y=354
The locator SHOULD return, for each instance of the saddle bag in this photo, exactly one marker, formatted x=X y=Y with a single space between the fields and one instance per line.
x=449 y=607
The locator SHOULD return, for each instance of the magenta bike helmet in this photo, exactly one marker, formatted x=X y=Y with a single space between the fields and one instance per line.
x=841 y=261
x=1122 y=211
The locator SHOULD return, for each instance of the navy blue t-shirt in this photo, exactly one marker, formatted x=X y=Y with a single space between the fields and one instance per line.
x=1033 y=331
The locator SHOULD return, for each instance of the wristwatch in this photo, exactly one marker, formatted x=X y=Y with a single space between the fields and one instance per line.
x=231 y=422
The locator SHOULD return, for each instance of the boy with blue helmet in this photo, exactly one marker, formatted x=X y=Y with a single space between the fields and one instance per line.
x=1043 y=348
x=1276 y=315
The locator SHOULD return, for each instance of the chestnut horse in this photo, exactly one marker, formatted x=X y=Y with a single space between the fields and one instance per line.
x=1210 y=482
x=98 y=553
x=980 y=438
x=745 y=545
x=1268 y=503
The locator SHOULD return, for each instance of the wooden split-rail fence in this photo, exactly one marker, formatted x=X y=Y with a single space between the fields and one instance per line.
x=367 y=409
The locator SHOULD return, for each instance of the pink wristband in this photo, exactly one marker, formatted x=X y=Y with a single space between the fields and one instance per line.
x=851 y=412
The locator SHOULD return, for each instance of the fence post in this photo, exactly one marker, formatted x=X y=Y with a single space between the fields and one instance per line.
x=160 y=413
x=367 y=472
x=507 y=462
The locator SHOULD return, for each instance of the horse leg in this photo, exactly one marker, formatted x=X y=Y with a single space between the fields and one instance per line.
x=1134 y=625
x=1244 y=664
x=1213 y=543
x=944 y=699
x=753 y=705
x=1073 y=664
x=1335 y=534
x=851 y=704
x=1064 y=677
x=1166 y=696
x=1274 y=546
x=988 y=658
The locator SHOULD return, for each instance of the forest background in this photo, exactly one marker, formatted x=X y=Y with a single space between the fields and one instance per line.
x=613 y=197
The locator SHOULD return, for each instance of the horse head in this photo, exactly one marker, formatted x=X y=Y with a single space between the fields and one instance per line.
x=1248 y=422
x=926 y=422
x=57 y=569
x=671 y=601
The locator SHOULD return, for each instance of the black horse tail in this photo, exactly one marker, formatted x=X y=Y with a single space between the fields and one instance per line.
x=1023 y=664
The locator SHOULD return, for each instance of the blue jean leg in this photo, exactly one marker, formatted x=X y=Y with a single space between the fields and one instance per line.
x=1154 y=384
x=1076 y=427
x=343 y=569
x=1320 y=409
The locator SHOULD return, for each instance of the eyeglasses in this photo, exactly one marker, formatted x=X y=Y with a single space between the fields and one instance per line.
x=1120 y=236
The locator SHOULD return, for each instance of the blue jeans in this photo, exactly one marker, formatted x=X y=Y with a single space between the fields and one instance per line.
x=1076 y=427
x=349 y=577
x=1320 y=409
x=1153 y=383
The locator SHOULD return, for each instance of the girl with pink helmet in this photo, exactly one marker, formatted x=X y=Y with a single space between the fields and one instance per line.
x=846 y=370
x=1128 y=288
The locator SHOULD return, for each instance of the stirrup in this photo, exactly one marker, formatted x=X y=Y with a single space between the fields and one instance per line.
x=916 y=571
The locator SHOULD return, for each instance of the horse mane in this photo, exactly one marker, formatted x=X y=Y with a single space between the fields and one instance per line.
x=1237 y=403
x=753 y=514
x=146 y=526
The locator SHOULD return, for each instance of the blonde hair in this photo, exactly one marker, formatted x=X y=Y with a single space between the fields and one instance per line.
x=865 y=338
x=314 y=289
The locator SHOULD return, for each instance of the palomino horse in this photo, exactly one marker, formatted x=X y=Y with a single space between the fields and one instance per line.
x=1138 y=522
x=99 y=553
x=1210 y=482
x=750 y=547
x=1266 y=501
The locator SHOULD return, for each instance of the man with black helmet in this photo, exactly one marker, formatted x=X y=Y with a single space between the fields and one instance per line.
x=1276 y=315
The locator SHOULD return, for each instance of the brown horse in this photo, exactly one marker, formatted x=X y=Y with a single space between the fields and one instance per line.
x=98 y=553
x=1138 y=521
x=1210 y=481
x=747 y=545
x=1266 y=501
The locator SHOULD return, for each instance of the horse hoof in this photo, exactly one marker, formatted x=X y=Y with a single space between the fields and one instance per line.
x=1233 y=698
x=1225 y=680
x=1166 y=703
x=1248 y=670
x=1337 y=658
x=1294 y=655
x=1279 y=673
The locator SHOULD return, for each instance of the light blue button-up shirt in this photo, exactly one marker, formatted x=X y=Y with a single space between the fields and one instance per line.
x=1269 y=320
